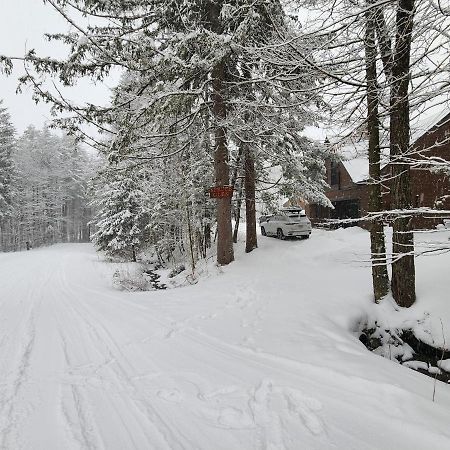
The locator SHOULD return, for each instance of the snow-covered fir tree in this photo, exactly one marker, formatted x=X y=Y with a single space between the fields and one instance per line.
x=6 y=162
x=193 y=68
x=121 y=216
x=50 y=199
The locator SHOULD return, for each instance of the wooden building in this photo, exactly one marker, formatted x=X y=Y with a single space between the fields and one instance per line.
x=348 y=176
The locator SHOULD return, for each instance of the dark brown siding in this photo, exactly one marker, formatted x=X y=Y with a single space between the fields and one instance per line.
x=429 y=188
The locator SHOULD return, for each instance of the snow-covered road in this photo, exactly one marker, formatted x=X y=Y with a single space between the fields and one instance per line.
x=243 y=360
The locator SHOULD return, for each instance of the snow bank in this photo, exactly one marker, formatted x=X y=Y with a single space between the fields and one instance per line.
x=263 y=353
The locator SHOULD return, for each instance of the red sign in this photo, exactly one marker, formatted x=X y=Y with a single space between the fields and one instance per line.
x=221 y=192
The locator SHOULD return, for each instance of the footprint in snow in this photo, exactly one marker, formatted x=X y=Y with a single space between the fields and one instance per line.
x=305 y=407
x=223 y=391
x=235 y=418
x=170 y=395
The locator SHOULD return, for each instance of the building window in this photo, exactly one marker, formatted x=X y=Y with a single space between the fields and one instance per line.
x=335 y=174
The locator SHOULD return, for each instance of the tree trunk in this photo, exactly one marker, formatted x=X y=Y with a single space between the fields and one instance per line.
x=237 y=212
x=384 y=41
x=237 y=209
x=380 y=278
x=225 y=253
x=403 y=269
x=191 y=240
x=251 y=241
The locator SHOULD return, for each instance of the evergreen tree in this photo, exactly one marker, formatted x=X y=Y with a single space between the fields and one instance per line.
x=50 y=200
x=121 y=216
x=6 y=163
x=192 y=67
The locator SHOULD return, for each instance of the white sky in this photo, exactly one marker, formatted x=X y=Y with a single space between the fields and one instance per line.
x=22 y=26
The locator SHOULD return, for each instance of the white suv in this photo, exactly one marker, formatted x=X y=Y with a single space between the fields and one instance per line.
x=288 y=222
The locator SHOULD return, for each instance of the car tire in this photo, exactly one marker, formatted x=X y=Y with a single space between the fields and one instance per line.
x=280 y=234
x=305 y=237
x=263 y=231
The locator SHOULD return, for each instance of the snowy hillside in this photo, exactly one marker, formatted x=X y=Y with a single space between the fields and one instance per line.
x=264 y=355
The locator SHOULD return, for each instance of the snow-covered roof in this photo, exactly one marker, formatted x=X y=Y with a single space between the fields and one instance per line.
x=428 y=119
x=357 y=168
x=354 y=155
x=355 y=160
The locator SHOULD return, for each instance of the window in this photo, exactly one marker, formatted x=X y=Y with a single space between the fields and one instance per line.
x=335 y=175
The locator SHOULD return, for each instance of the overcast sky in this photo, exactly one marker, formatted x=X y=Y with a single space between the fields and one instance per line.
x=22 y=26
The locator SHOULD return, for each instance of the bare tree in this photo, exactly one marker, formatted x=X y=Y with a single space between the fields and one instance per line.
x=380 y=278
x=403 y=269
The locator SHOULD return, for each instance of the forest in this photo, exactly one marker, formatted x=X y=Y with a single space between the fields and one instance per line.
x=150 y=297
x=219 y=94
x=44 y=188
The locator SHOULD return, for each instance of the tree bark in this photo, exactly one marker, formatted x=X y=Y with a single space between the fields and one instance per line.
x=237 y=212
x=251 y=241
x=403 y=268
x=380 y=278
x=237 y=208
x=225 y=253
x=384 y=41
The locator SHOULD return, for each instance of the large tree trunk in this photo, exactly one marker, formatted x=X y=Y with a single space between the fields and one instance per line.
x=234 y=182
x=225 y=253
x=380 y=278
x=403 y=270
x=384 y=41
x=237 y=212
x=251 y=241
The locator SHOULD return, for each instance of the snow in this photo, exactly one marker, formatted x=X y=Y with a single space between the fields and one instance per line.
x=444 y=365
x=261 y=354
x=431 y=114
x=355 y=160
x=354 y=154
x=357 y=168
x=416 y=365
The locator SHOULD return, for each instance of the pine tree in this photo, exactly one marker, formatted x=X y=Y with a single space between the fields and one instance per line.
x=50 y=200
x=121 y=216
x=188 y=65
x=6 y=162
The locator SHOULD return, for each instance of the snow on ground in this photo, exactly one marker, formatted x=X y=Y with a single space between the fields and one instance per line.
x=260 y=356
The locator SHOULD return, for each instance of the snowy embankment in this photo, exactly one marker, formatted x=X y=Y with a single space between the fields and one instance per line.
x=261 y=356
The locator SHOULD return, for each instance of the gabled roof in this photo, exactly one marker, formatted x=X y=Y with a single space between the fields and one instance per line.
x=427 y=121
x=357 y=168
x=354 y=158
x=354 y=155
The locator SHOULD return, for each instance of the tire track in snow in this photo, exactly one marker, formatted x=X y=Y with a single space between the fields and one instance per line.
x=86 y=434
x=12 y=411
x=267 y=421
x=85 y=308
x=308 y=417
x=163 y=434
x=165 y=430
